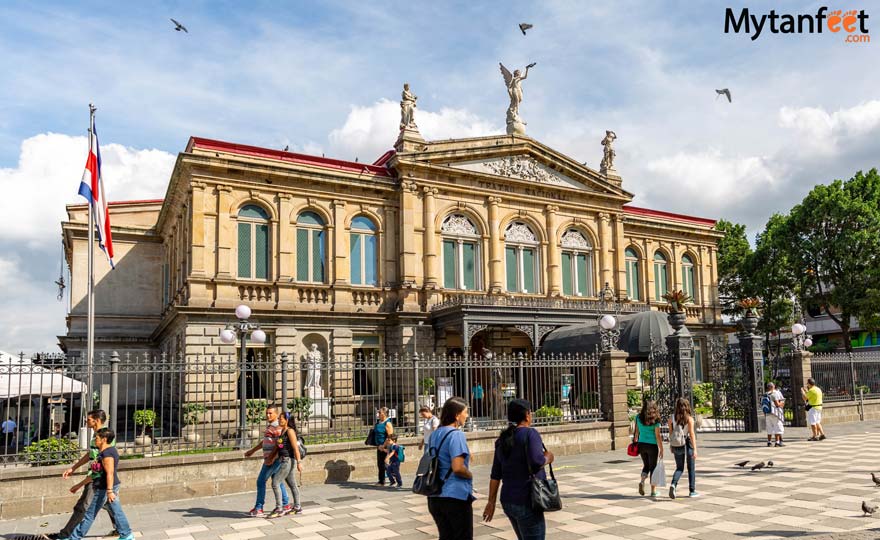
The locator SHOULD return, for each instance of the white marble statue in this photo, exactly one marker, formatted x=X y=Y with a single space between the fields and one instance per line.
x=513 y=81
x=608 y=152
x=408 y=108
x=313 y=363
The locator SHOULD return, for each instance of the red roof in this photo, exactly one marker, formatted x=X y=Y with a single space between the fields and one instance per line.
x=668 y=215
x=245 y=150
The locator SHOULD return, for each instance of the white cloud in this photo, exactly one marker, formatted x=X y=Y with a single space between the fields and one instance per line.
x=817 y=130
x=47 y=178
x=32 y=316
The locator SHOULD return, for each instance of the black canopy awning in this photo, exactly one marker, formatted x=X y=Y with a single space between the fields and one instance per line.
x=636 y=333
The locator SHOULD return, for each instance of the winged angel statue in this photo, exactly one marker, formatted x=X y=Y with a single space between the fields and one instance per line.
x=513 y=81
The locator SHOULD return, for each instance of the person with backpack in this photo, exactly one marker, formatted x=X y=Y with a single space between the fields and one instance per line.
x=451 y=507
x=649 y=441
x=772 y=405
x=382 y=430
x=683 y=441
x=519 y=455
x=393 y=458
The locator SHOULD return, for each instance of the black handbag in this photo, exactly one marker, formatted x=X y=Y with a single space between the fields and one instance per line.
x=371 y=438
x=427 y=481
x=544 y=492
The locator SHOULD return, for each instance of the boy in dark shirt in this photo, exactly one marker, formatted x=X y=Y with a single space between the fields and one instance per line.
x=106 y=487
x=392 y=461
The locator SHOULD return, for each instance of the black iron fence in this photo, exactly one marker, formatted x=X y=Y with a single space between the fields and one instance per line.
x=847 y=376
x=161 y=405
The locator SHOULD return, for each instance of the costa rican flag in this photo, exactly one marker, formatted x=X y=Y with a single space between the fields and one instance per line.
x=92 y=188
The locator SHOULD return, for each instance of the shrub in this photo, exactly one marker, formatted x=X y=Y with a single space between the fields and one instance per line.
x=256 y=410
x=703 y=394
x=52 y=451
x=426 y=385
x=646 y=376
x=301 y=407
x=145 y=418
x=554 y=414
x=633 y=398
x=191 y=412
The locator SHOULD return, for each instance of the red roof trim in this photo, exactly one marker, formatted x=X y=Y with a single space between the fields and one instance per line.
x=668 y=215
x=256 y=151
x=141 y=201
x=384 y=158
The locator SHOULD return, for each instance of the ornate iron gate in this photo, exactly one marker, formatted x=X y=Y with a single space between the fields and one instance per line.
x=732 y=401
x=664 y=387
x=778 y=370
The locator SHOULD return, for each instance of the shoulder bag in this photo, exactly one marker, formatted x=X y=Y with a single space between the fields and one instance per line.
x=544 y=492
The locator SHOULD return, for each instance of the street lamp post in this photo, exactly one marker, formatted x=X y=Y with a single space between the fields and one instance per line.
x=609 y=330
x=241 y=329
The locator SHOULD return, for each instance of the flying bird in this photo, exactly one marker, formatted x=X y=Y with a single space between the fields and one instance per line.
x=523 y=27
x=758 y=466
x=179 y=27
x=724 y=92
x=741 y=464
x=875 y=479
x=868 y=509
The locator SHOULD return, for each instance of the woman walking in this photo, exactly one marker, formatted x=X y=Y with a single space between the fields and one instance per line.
x=451 y=509
x=291 y=463
x=519 y=454
x=650 y=443
x=683 y=441
x=383 y=429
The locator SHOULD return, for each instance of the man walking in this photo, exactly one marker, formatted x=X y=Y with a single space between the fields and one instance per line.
x=812 y=395
x=772 y=404
x=94 y=421
x=8 y=429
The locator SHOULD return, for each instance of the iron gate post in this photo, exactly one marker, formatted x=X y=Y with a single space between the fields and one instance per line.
x=681 y=347
x=285 y=369
x=416 y=391
x=751 y=347
x=114 y=390
x=801 y=370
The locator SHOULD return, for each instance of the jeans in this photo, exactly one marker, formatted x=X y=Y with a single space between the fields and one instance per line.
x=287 y=475
x=528 y=524
x=393 y=469
x=380 y=463
x=266 y=472
x=454 y=517
x=680 y=452
x=98 y=500
x=79 y=511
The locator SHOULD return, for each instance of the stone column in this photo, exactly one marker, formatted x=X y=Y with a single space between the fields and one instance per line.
x=340 y=269
x=675 y=267
x=224 y=232
x=605 y=248
x=751 y=347
x=390 y=271
x=649 y=272
x=496 y=272
x=619 y=283
x=407 y=232
x=197 y=268
x=285 y=240
x=430 y=238
x=612 y=376
x=554 y=263
x=801 y=370
x=680 y=345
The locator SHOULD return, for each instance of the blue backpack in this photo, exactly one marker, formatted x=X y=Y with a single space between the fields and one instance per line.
x=766 y=404
x=400 y=455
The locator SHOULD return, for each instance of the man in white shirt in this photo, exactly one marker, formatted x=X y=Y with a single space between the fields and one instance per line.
x=8 y=429
x=429 y=424
x=775 y=418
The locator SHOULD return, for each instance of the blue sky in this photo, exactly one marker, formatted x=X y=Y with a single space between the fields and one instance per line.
x=325 y=78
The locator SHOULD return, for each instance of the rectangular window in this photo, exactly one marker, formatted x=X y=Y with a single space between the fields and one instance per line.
x=632 y=279
x=511 y=267
x=529 y=271
x=448 y=264
x=370 y=260
x=356 y=259
x=660 y=281
x=469 y=257
x=582 y=288
x=566 y=275
x=318 y=256
x=261 y=259
x=302 y=255
x=244 y=250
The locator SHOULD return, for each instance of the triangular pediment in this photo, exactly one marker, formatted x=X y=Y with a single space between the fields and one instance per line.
x=522 y=168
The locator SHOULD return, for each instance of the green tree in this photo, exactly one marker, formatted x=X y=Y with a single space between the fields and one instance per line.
x=833 y=242
x=733 y=251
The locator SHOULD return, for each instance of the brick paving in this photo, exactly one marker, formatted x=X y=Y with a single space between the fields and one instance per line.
x=814 y=490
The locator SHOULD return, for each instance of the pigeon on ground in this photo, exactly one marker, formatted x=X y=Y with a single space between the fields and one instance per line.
x=868 y=509
x=523 y=27
x=769 y=463
x=741 y=464
x=724 y=92
x=875 y=479
x=179 y=27
x=758 y=466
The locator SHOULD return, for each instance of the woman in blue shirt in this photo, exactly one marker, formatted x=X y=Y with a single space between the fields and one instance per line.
x=451 y=509
x=519 y=454
x=383 y=428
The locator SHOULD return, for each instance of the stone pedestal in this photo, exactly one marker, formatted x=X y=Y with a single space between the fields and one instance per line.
x=612 y=175
x=319 y=410
x=801 y=370
x=410 y=140
x=612 y=374
x=516 y=127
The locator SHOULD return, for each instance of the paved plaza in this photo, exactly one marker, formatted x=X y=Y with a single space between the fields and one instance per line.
x=814 y=489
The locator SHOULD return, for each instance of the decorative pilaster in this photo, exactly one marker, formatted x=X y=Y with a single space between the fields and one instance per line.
x=619 y=258
x=407 y=232
x=605 y=247
x=340 y=270
x=197 y=268
x=224 y=232
x=554 y=264
x=285 y=242
x=430 y=240
x=496 y=274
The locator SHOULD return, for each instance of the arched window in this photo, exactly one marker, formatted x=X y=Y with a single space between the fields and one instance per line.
x=577 y=264
x=661 y=276
x=253 y=243
x=521 y=258
x=687 y=276
x=310 y=248
x=632 y=274
x=363 y=251
x=461 y=253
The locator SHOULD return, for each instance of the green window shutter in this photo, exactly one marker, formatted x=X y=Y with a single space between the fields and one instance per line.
x=469 y=254
x=529 y=270
x=510 y=260
x=244 y=250
x=632 y=280
x=318 y=256
x=355 y=259
x=566 y=274
x=448 y=264
x=582 y=274
x=261 y=259
x=302 y=255
x=660 y=281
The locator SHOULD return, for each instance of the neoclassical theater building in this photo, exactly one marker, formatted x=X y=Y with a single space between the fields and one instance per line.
x=438 y=246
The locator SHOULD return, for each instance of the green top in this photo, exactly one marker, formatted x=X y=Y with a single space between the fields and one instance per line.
x=646 y=433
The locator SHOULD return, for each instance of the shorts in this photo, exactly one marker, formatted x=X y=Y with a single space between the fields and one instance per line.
x=774 y=424
x=814 y=416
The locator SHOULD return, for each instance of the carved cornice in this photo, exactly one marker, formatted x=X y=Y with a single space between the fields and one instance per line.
x=523 y=168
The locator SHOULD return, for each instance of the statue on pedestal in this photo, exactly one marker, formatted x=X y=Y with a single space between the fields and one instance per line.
x=608 y=153
x=408 y=109
x=513 y=81
x=313 y=363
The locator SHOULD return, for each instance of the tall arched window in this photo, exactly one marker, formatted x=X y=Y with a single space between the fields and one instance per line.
x=632 y=274
x=461 y=253
x=661 y=276
x=310 y=248
x=521 y=258
x=687 y=276
x=363 y=251
x=253 y=243
x=577 y=264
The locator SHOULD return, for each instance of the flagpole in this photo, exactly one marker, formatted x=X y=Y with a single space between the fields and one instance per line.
x=90 y=338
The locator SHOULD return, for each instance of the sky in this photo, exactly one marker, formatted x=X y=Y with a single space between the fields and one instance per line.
x=325 y=77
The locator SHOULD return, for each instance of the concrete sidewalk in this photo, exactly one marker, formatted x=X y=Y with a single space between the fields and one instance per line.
x=813 y=489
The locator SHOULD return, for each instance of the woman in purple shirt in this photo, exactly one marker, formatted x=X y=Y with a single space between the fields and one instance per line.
x=519 y=454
